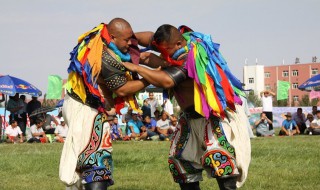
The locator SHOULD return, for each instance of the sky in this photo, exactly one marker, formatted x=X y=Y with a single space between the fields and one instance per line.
x=37 y=36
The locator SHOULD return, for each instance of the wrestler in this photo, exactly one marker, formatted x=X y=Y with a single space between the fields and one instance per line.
x=203 y=136
x=95 y=74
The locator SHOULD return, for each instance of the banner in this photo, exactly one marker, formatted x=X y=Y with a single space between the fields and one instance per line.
x=314 y=94
x=282 y=90
x=54 y=87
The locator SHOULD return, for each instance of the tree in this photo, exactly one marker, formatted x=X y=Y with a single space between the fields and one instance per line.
x=254 y=99
x=305 y=101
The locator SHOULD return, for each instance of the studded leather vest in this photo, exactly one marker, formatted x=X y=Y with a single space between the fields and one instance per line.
x=112 y=71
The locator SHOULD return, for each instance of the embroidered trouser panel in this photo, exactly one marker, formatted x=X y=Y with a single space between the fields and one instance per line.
x=86 y=153
x=200 y=144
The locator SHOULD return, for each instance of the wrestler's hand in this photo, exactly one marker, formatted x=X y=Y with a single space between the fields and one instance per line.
x=112 y=111
x=130 y=66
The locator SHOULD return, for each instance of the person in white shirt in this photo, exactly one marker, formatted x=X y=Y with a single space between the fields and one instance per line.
x=61 y=131
x=153 y=102
x=163 y=127
x=314 y=112
x=36 y=133
x=308 y=122
x=13 y=131
x=266 y=98
x=300 y=119
x=315 y=125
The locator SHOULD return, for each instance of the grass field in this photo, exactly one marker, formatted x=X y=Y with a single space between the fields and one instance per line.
x=277 y=163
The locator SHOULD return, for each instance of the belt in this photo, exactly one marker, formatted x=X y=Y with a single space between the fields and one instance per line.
x=90 y=100
x=191 y=113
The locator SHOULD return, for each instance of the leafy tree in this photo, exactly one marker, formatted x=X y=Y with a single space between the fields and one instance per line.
x=305 y=101
x=254 y=99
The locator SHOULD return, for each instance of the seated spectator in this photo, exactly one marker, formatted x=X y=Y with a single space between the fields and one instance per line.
x=116 y=133
x=163 y=127
x=300 y=120
x=61 y=131
x=150 y=125
x=156 y=115
x=314 y=112
x=289 y=126
x=36 y=133
x=315 y=125
x=308 y=123
x=134 y=126
x=13 y=131
x=146 y=110
x=262 y=126
x=173 y=122
x=47 y=127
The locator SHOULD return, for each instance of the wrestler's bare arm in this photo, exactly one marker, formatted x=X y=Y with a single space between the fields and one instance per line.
x=152 y=60
x=156 y=77
x=131 y=87
x=144 y=38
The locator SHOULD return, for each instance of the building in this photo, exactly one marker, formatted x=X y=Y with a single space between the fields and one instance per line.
x=259 y=77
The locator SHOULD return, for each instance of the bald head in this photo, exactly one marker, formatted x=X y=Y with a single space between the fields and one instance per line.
x=121 y=33
x=117 y=25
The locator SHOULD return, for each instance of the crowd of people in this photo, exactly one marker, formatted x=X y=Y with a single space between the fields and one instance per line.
x=24 y=126
x=297 y=123
x=153 y=123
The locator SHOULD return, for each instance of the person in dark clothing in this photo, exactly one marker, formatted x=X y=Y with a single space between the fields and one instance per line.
x=31 y=106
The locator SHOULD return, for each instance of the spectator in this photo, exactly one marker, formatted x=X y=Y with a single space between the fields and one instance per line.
x=116 y=132
x=173 y=122
x=146 y=110
x=13 y=131
x=314 y=112
x=156 y=115
x=163 y=127
x=31 y=106
x=15 y=106
x=167 y=106
x=126 y=118
x=308 y=123
x=36 y=133
x=262 y=126
x=315 y=125
x=2 y=100
x=61 y=131
x=300 y=120
x=150 y=125
x=48 y=120
x=266 y=97
x=289 y=126
x=153 y=102
x=23 y=123
x=134 y=126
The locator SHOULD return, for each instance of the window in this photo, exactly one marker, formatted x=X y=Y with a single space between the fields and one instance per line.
x=266 y=75
x=268 y=87
x=251 y=80
x=285 y=73
x=295 y=72
x=295 y=98
x=294 y=85
x=314 y=71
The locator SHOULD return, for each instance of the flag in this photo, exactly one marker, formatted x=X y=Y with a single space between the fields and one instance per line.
x=54 y=87
x=282 y=91
x=314 y=94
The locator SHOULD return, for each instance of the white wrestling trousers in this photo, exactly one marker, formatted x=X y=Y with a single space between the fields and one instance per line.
x=237 y=134
x=79 y=118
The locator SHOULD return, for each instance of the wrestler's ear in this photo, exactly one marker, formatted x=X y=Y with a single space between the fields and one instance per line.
x=179 y=44
x=112 y=37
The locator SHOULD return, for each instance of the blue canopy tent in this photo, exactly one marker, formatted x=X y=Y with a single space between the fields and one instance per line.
x=311 y=83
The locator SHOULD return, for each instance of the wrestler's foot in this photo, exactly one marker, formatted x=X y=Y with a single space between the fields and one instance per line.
x=101 y=185
x=228 y=183
x=190 y=186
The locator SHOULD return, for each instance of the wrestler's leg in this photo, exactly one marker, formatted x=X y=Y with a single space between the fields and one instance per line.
x=228 y=183
x=100 y=185
x=190 y=186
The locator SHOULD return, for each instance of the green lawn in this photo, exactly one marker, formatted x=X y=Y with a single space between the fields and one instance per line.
x=277 y=163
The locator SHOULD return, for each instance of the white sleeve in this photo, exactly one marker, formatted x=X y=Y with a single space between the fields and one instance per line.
x=32 y=129
x=19 y=131
x=8 y=131
x=57 y=129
